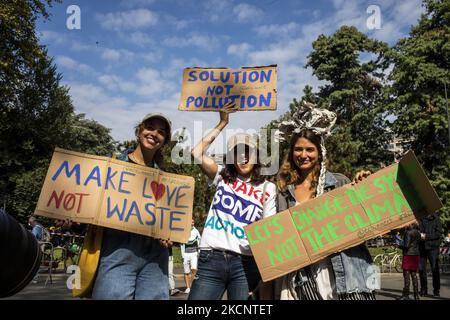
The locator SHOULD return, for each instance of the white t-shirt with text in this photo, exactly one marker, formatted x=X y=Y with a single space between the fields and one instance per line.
x=234 y=206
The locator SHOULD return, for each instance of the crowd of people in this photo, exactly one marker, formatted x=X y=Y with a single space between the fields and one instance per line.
x=123 y=265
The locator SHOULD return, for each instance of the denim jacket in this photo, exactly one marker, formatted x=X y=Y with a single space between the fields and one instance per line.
x=352 y=267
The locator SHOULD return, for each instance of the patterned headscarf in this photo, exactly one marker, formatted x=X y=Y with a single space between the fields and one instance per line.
x=319 y=121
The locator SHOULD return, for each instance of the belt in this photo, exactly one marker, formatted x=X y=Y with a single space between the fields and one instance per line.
x=228 y=252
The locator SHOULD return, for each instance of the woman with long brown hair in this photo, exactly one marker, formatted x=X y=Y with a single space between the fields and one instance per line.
x=303 y=176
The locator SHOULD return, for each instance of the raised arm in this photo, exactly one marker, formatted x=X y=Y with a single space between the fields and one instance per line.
x=207 y=164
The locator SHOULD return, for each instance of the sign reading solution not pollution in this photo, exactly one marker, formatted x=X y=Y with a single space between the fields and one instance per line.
x=116 y=194
x=342 y=218
x=209 y=89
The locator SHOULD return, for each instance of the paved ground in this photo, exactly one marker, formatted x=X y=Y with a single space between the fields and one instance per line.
x=391 y=288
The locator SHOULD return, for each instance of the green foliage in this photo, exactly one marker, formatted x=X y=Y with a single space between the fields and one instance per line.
x=36 y=112
x=422 y=67
x=354 y=92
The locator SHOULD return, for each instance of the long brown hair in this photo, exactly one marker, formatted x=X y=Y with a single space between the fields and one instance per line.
x=289 y=172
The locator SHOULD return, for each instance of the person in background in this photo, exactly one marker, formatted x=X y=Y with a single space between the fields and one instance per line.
x=189 y=252
x=172 y=288
x=411 y=259
x=398 y=239
x=431 y=235
x=36 y=228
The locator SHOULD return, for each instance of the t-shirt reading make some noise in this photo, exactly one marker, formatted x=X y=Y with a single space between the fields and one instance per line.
x=235 y=205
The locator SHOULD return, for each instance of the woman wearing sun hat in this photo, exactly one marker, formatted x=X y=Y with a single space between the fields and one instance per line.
x=122 y=265
x=242 y=196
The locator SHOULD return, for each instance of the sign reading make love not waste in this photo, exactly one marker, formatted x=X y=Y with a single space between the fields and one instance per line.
x=116 y=194
x=342 y=218
x=209 y=89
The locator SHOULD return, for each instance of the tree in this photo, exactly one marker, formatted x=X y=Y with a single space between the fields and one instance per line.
x=354 y=90
x=422 y=66
x=36 y=112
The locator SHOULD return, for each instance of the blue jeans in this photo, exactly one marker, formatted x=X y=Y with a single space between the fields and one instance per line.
x=131 y=266
x=219 y=271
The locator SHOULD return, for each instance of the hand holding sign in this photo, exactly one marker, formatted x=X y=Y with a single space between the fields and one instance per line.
x=210 y=89
x=342 y=218
x=117 y=194
x=360 y=175
x=228 y=108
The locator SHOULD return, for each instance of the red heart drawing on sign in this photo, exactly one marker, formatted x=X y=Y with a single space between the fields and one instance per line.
x=157 y=189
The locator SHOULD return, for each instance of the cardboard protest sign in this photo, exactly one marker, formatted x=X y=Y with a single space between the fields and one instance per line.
x=342 y=218
x=117 y=194
x=208 y=89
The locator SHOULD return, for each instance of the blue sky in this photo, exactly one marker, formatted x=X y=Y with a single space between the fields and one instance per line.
x=128 y=57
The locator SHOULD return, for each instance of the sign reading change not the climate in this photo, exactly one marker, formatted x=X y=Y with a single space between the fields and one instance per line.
x=210 y=89
x=117 y=194
x=342 y=218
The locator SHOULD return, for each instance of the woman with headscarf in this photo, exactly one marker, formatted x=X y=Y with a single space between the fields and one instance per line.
x=303 y=176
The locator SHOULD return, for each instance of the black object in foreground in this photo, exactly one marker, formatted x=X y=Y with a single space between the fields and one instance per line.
x=20 y=256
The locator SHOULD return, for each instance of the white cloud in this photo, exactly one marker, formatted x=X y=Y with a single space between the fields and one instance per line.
x=152 y=83
x=214 y=9
x=79 y=46
x=148 y=83
x=110 y=110
x=126 y=20
x=278 y=30
x=115 y=83
x=151 y=56
x=247 y=13
x=239 y=50
x=136 y=3
x=69 y=63
x=176 y=66
x=202 y=41
x=66 y=62
x=115 y=54
x=178 y=24
x=277 y=53
x=139 y=38
x=110 y=54
x=51 y=37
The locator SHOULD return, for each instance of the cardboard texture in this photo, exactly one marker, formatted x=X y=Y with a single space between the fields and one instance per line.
x=116 y=194
x=209 y=89
x=342 y=218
